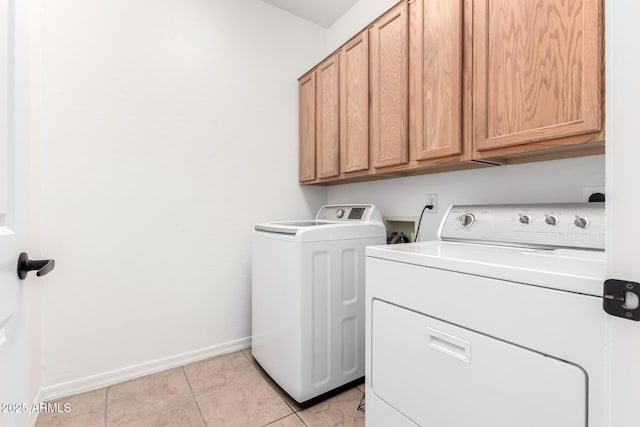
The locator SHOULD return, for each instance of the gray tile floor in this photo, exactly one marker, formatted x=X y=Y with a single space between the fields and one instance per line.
x=229 y=390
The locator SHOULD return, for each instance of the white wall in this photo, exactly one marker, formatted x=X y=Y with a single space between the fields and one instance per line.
x=552 y=181
x=169 y=128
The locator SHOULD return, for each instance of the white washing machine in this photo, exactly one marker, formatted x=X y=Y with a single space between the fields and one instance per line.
x=308 y=283
x=498 y=323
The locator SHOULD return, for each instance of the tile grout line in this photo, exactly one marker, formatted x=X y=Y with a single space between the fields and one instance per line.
x=159 y=410
x=245 y=355
x=276 y=420
x=260 y=370
x=300 y=418
x=195 y=399
x=177 y=405
x=257 y=370
x=286 y=416
x=106 y=403
x=294 y=411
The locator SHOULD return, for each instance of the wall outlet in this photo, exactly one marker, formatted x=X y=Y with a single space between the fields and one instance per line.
x=432 y=200
x=588 y=191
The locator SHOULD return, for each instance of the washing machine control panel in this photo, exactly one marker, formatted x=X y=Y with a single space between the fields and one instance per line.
x=345 y=213
x=571 y=225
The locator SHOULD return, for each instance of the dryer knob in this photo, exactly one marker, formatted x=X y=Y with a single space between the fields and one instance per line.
x=466 y=220
x=550 y=219
x=524 y=219
x=340 y=213
x=580 y=222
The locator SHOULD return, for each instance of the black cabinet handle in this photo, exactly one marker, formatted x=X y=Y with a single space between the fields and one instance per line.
x=43 y=266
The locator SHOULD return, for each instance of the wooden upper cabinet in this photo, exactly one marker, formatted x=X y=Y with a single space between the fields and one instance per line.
x=389 y=87
x=435 y=90
x=437 y=85
x=354 y=105
x=307 y=127
x=537 y=72
x=328 y=118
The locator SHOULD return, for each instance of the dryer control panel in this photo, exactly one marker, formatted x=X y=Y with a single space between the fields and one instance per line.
x=566 y=225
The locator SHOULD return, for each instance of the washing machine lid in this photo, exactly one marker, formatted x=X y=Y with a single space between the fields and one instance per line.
x=287 y=227
x=332 y=222
x=573 y=270
x=314 y=231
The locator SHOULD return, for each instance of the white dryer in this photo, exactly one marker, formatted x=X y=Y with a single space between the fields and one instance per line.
x=308 y=284
x=498 y=323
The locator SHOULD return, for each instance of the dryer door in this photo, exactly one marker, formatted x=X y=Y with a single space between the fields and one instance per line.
x=438 y=374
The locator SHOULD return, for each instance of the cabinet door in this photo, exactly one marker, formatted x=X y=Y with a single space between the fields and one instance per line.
x=537 y=70
x=354 y=104
x=307 y=127
x=435 y=93
x=389 y=88
x=328 y=116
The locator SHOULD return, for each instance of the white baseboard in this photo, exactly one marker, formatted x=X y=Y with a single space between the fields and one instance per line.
x=105 y=379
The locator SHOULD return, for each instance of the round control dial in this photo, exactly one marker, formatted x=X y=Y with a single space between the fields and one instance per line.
x=580 y=222
x=524 y=219
x=466 y=220
x=340 y=213
x=550 y=219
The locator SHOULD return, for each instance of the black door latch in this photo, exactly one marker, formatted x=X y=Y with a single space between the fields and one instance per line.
x=25 y=265
x=622 y=299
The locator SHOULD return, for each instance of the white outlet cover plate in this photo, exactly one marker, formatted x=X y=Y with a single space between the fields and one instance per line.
x=433 y=199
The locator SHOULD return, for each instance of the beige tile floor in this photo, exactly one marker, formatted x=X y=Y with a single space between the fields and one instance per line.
x=229 y=390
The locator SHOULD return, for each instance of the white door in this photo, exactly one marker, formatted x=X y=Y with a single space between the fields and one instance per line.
x=10 y=234
x=19 y=307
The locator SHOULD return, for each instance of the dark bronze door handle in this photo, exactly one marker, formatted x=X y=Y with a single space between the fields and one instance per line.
x=25 y=265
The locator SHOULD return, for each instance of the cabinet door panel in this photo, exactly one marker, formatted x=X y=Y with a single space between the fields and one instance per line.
x=354 y=105
x=307 y=130
x=390 y=79
x=436 y=78
x=328 y=116
x=537 y=70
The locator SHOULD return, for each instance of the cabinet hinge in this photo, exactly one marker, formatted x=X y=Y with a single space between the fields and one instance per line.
x=622 y=299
